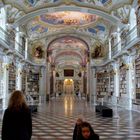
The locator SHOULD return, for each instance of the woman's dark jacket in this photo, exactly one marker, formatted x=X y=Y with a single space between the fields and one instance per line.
x=17 y=125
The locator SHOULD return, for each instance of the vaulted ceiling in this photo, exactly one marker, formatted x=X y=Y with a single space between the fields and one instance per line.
x=76 y=26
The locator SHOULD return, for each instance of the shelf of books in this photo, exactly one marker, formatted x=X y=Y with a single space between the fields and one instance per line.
x=1 y=85
x=112 y=82
x=122 y=79
x=102 y=83
x=12 y=77
x=33 y=85
x=24 y=81
x=137 y=64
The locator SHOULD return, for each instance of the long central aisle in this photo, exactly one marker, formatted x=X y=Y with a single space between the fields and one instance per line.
x=56 y=119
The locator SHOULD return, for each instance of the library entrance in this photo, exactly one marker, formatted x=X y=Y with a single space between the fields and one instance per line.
x=68 y=86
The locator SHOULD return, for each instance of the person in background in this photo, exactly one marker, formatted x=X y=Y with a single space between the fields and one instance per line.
x=77 y=128
x=17 y=122
x=86 y=132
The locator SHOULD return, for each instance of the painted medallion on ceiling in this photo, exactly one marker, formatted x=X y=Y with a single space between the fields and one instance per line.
x=98 y=51
x=68 y=18
x=64 y=18
x=37 y=52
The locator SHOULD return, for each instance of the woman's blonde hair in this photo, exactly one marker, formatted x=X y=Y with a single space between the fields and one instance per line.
x=17 y=101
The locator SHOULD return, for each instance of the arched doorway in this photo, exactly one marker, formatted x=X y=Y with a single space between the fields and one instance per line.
x=68 y=86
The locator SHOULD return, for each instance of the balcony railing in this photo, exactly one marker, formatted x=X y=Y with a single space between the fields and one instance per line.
x=9 y=39
x=128 y=38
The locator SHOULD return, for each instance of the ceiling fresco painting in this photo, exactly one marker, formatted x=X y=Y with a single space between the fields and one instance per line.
x=102 y=3
x=106 y=4
x=97 y=30
x=68 y=42
x=67 y=49
x=68 y=18
x=36 y=29
x=29 y=5
x=42 y=19
x=72 y=53
x=67 y=58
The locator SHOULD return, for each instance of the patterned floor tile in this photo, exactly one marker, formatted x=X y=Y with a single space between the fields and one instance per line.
x=56 y=120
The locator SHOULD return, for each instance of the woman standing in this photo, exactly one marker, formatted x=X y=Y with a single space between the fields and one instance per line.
x=17 y=122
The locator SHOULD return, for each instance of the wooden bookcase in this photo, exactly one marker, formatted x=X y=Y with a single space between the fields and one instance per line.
x=24 y=81
x=1 y=85
x=102 y=83
x=33 y=85
x=137 y=65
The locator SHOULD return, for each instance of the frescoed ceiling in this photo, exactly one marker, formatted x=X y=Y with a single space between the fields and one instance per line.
x=105 y=4
x=68 y=42
x=92 y=19
x=66 y=49
x=29 y=5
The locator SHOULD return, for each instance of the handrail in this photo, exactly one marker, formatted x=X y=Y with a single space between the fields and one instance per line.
x=128 y=38
x=10 y=40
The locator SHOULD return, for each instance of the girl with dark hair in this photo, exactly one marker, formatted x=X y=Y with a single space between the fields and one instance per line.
x=87 y=133
x=17 y=122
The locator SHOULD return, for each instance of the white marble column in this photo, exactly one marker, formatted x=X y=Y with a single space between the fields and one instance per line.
x=48 y=80
x=130 y=80
x=118 y=38
x=18 y=40
x=19 y=76
x=82 y=83
x=6 y=81
x=26 y=48
x=133 y=24
x=116 y=82
x=3 y=21
x=88 y=81
x=109 y=43
x=54 y=81
x=42 y=84
x=93 y=86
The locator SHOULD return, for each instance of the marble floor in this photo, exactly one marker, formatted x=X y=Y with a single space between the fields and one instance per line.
x=55 y=120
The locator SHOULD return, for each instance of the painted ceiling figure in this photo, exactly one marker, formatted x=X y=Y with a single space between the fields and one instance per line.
x=39 y=52
x=97 y=52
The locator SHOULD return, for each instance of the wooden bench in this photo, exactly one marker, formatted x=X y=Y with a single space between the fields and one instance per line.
x=104 y=110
